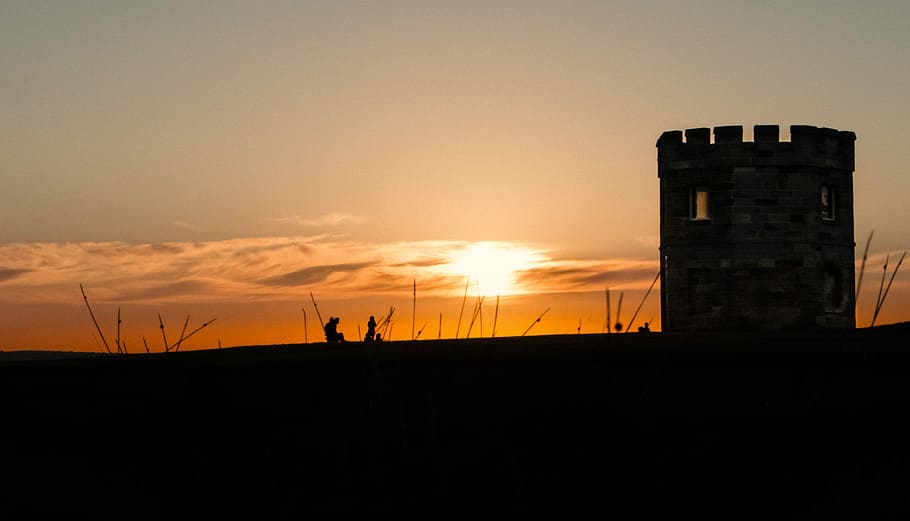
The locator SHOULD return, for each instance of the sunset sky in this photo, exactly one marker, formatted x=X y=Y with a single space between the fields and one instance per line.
x=224 y=159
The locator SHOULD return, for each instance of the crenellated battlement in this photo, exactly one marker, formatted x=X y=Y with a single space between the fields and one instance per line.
x=808 y=146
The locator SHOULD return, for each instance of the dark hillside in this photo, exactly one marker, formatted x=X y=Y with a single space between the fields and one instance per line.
x=789 y=424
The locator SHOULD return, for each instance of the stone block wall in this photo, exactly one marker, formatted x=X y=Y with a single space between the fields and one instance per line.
x=766 y=257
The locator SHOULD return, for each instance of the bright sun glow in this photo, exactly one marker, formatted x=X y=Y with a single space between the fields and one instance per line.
x=492 y=266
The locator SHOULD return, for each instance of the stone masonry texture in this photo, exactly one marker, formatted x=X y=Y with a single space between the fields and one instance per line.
x=767 y=257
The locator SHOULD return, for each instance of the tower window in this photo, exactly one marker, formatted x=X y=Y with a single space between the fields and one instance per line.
x=698 y=204
x=829 y=202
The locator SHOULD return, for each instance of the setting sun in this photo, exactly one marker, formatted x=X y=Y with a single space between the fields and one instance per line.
x=492 y=266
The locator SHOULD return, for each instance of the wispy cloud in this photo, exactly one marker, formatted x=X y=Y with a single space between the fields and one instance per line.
x=8 y=274
x=155 y=292
x=588 y=275
x=327 y=220
x=422 y=263
x=282 y=268
x=313 y=274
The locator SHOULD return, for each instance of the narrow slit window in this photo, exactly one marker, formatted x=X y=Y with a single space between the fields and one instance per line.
x=698 y=206
x=829 y=203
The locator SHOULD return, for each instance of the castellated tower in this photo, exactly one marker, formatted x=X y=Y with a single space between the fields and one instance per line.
x=756 y=235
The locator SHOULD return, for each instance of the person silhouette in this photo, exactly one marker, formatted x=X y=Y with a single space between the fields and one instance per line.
x=331 y=330
x=338 y=336
x=371 y=330
x=644 y=328
x=378 y=338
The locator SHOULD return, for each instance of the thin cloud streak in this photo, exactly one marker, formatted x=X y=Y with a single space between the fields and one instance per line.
x=10 y=274
x=313 y=275
x=327 y=220
x=588 y=275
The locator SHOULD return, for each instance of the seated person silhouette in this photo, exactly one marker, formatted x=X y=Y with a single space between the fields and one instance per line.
x=644 y=328
x=371 y=330
x=331 y=330
x=378 y=338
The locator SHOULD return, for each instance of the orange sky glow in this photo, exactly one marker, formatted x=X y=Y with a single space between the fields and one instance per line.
x=258 y=289
x=235 y=280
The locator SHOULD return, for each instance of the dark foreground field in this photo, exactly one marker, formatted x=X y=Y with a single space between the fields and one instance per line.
x=784 y=425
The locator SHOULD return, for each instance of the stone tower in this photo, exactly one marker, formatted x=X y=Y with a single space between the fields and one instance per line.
x=756 y=235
